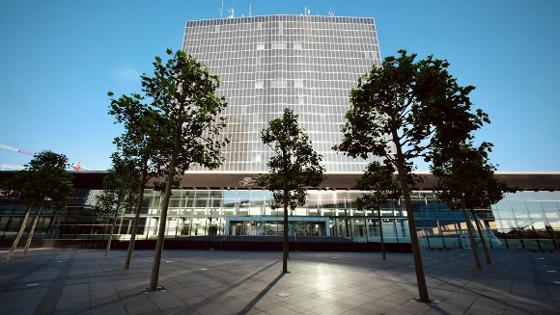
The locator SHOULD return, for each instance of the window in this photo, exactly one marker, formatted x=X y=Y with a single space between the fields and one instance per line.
x=260 y=46
x=297 y=45
x=278 y=45
x=259 y=84
x=279 y=83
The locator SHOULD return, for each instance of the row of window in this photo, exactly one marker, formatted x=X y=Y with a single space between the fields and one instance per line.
x=280 y=43
x=331 y=25
x=239 y=91
x=201 y=33
x=276 y=96
x=326 y=22
x=244 y=101
x=265 y=73
x=325 y=49
x=302 y=40
x=292 y=42
x=308 y=113
x=311 y=68
x=293 y=63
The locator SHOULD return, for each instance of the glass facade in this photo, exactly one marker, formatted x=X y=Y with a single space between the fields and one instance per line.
x=524 y=219
x=268 y=63
x=527 y=217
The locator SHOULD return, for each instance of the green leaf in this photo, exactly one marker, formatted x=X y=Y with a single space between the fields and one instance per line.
x=295 y=165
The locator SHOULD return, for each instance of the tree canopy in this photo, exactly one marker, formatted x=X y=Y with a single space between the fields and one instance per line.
x=138 y=144
x=119 y=188
x=378 y=179
x=417 y=105
x=294 y=167
x=404 y=110
x=188 y=112
x=467 y=174
x=43 y=182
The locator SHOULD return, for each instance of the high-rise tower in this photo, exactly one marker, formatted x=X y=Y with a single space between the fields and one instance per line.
x=267 y=63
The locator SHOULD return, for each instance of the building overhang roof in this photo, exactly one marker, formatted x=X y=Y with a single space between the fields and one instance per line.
x=548 y=181
x=427 y=181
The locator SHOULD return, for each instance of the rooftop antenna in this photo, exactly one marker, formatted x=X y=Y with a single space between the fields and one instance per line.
x=231 y=12
x=250 y=8
x=331 y=12
x=306 y=11
x=222 y=10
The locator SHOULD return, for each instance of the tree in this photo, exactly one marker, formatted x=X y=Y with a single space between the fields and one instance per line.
x=56 y=182
x=43 y=183
x=378 y=178
x=21 y=186
x=294 y=167
x=119 y=192
x=404 y=110
x=188 y=116
x=466 y=181
x=137 y=145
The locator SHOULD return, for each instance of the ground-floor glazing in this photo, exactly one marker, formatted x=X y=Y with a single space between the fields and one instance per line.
x=524 y=219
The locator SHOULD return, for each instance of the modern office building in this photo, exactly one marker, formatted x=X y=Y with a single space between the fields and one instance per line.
x=268 y=63
x=309 y=64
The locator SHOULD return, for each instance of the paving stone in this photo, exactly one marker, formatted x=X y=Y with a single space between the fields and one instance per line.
x=109 y=308
x=378 y=306
x=80 y=281
x=139 y=304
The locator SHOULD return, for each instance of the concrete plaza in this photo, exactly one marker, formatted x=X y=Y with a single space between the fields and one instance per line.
x=83 y=281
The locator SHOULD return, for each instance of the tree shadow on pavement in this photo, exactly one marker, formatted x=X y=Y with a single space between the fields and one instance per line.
x=259 y=296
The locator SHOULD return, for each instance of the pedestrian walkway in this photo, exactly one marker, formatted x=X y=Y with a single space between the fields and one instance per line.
x=83 y=281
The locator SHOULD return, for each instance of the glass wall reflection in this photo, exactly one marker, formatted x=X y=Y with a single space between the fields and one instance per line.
x=525 y=219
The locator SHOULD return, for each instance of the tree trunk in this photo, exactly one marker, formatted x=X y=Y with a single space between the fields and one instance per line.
x=381 y=234
x=108 y=249
x=418 y=266
x=366 y=228
x=471 y=237
x=285 y=241
x=32 y=232
x=135 y=221
x=482 y=238
x=346 y=224
x=18 y=236
x=288 y=254
x=163 y=219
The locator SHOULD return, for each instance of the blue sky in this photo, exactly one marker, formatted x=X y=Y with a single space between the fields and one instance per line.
x=58 y=59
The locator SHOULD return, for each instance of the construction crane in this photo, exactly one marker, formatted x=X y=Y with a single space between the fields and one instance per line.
x=75 y=166
x=18 y=150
